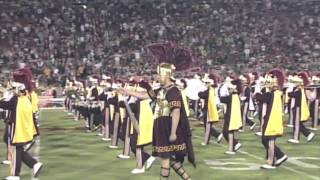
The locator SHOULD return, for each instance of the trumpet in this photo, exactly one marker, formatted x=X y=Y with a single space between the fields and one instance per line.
x=3 y=90
x=313 y=86
x=264 y=85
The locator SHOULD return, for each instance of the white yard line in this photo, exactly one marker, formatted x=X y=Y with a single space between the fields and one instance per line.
x=259 y=158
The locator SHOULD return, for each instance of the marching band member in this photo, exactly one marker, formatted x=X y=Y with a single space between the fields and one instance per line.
x=112 y=103
x=301 y=109
x=182 y=84
x=247 y=101
x=272 y=126
x=125 y=124
x=232 y=117
x=80 y=103
x=195 y=86
x=22 y=127
x=211 y=114
x=68 y=86
x=104 y=96
x=7 y=95
x=253 y=107
x=315 y=98
x=32 y=95
x=116 y=117
x=93 y=108
x=141 y=137
x=94 y=90
x=35 y=110
x=261 y=88
x=223 y=89
x=290 y=100
x=130 y=133
x=195 y=103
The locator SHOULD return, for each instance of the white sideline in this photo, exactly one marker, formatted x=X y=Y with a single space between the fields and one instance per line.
x=259 y=158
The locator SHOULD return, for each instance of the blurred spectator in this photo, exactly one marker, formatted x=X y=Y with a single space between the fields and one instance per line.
x=62 y=38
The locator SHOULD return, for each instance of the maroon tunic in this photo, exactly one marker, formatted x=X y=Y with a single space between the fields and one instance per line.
x=168 y=99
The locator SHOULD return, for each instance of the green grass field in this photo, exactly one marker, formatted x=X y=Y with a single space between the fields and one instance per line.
x=70 y=154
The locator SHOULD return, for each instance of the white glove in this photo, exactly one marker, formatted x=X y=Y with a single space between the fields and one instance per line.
x=242 y=98
x=8 y=95
x=132 y=100
x=110 y=94
x=257 y=89
x=224 y=90
x=123 y=98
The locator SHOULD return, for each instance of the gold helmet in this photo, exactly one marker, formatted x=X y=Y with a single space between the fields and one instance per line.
x=166 y=69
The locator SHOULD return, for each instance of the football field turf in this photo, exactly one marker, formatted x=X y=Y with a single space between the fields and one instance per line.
x=68 y=153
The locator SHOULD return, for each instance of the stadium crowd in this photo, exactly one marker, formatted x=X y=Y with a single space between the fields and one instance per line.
x=61 y=38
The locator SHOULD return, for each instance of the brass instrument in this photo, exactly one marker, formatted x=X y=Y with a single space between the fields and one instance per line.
x=265 y=85
x=313 y=86
x=2 y=89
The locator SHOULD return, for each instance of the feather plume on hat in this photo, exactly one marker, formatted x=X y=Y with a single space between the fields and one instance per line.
x=277 y=76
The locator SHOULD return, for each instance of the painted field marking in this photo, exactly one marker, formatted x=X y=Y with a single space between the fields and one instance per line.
x=262 y=159
x=296 y=161
x=219 y=163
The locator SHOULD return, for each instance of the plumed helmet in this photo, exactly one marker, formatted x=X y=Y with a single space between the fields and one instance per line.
x=305 y=78
x=277 y=77
x=23 y=76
